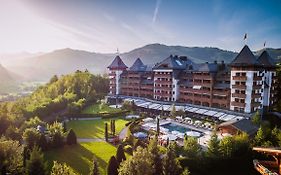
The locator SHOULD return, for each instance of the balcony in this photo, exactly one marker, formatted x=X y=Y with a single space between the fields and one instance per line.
x=202 y=77
x=134 y=75
x=205 y=84
x=163 y=82
x=256 y=95
x=163 y=75
x=238 y=104
x=255 y=104
x=221 y=101
x=162 y=94
x=257 y=86
x=201 y=91
x=239 y=78
x=164 y=88
x=147 y=87
x=220 y=92
x=257 y=78
x=239 y=95
x=235 y=86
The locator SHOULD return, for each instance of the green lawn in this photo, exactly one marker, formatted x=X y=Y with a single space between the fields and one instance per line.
x=97 y=108
x=80 y=156
x=94 y=128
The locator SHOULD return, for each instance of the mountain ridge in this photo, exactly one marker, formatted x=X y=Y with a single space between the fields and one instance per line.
x=67 y=60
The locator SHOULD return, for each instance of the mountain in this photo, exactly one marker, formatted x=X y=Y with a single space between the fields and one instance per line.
x=60 y=62
x=153 y=53
x=274 y=53
x=63 y=61
x=8 y=80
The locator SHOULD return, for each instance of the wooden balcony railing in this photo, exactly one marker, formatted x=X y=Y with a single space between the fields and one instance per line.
x=238 y=104
x=257 y=86
x=239 y=95
x=240 y=78
x=256 y=95
x=255 y=104
x=239 y=86
x=257 y=78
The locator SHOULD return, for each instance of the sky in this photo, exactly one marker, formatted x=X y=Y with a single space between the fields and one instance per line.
x=105 y=25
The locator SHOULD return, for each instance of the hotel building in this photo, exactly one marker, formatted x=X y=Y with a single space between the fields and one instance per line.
x=245 y=85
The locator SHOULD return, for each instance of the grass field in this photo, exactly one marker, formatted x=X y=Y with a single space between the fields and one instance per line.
x=80 y=156
x=94 y=128
x=97 y=108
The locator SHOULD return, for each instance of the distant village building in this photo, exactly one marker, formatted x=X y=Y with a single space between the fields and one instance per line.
x=245 y=85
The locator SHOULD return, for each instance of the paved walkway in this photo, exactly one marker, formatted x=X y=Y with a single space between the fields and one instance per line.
x=90 y=140
x=123 y=133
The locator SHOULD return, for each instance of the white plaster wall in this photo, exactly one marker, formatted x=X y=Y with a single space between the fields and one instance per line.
x=175 y=89
x=118 y=83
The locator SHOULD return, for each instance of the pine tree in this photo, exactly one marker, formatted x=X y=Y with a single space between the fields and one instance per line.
x=43 y=144
x=112 y=168
x=95 y=168
x=158 y=127
x=113 y=127
x=61 y=169
x=173 y=111
x=185 y=172
x=139 y=164
x=71 y=137
x=120 y=155
x=35 y=165
x=171 y=165
x=155 y=156
x=106 y=132
x=64 y=127
x=213 y=146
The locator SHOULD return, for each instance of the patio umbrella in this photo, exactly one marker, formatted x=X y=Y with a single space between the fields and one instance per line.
x=170 y=136
x=175 y=132
x=162 y=129
x=193 y=133
x=140 y=135
x=148 y=119
x=180 y=135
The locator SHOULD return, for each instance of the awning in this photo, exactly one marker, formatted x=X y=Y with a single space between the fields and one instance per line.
x=210 y=113
x=201 y=111
x=196 y=87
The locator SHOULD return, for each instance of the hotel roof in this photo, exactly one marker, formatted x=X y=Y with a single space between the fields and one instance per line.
x=117 y=63
x=173 y=62
x=208 y=67
x=138 y=66
x=244 y=58
x=265 y=59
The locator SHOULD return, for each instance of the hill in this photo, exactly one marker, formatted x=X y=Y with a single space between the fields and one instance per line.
x=153 y=53
x=8 y=80
x=67 y=60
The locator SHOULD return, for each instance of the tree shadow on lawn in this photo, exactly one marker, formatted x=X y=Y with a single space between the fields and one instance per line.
x=76 y=156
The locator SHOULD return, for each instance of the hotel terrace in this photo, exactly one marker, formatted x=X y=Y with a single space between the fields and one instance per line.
x=233 y=90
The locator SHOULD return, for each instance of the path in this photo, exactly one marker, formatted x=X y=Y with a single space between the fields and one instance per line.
x=123 y=133
x=90 y=140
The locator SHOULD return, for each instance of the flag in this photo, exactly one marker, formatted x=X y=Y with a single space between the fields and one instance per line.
x=245 y=36
x=264 y=44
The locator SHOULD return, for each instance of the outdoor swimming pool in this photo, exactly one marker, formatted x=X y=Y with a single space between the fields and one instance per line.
x=175 y=127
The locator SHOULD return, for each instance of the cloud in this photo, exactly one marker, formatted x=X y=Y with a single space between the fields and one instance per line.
x=156 y=11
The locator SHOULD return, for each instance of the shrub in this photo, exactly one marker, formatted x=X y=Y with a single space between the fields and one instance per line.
x=71 y=137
